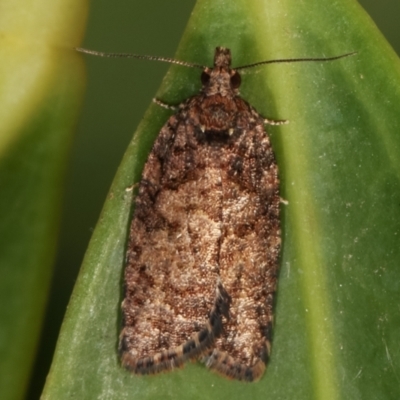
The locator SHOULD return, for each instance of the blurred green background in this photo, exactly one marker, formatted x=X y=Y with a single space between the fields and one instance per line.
x=118 y=93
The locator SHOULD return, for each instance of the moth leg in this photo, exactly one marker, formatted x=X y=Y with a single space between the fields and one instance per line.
x=283 y=201
x=275 y=121
x=165 y=105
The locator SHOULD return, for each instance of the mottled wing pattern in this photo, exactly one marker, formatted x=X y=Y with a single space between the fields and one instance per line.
x=204 y=242
x=249 y=254
x=172 y=306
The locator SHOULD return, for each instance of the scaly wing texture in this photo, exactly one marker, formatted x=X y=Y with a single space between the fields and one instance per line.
x=249 y=255
x=204 y=244
x=171 y=308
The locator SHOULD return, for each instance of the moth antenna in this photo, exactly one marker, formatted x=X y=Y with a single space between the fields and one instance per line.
x=290 y=60
x=138 y=56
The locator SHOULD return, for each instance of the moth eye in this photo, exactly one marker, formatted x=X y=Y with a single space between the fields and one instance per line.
x=205 y=78
x=236 y=80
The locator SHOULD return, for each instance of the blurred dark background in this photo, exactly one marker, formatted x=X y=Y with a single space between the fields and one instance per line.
x=118 y=93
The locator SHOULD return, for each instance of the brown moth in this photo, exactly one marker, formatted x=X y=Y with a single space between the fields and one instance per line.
x=203 y=250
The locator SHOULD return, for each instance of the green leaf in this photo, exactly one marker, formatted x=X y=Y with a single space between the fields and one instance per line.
x=337 y=320
x=41 y=86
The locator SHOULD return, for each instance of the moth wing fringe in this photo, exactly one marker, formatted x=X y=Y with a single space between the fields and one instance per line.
x=200 y=343
x=224 y=364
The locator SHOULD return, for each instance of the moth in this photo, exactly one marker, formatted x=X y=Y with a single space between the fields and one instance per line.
x=204 y=243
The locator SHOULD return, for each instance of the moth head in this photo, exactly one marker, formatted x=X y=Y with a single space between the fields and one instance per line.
x=221 y=78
